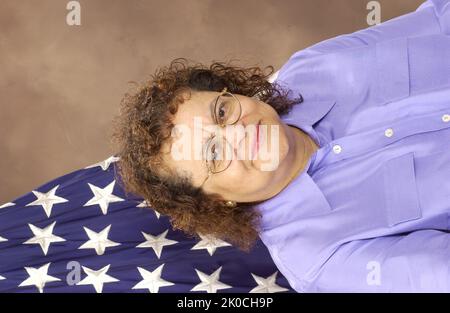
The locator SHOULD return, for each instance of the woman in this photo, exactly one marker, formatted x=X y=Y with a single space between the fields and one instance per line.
x=346 y=157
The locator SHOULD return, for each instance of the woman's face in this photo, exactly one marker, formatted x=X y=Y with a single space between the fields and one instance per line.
x=261 y=160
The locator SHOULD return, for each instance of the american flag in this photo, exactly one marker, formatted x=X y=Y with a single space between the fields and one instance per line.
x=80 y=233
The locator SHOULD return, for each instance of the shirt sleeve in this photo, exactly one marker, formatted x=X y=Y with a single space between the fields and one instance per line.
x=404 y=56
x=430 y=18
x=416 y=262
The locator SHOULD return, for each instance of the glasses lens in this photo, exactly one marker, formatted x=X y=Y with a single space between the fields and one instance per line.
x=227 y=109
x=218 y=154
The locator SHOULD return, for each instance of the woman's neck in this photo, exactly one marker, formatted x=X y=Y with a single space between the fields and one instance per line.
x=306 y=147
x=303 y=148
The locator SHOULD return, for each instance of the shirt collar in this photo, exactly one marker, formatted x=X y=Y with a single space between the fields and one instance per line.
x=300 y=198
x=308 y=113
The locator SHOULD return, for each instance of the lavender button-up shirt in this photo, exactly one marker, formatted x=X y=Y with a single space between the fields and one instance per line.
x=370 y=212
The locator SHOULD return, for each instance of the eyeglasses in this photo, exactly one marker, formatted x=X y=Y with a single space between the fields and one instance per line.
x=227 y=111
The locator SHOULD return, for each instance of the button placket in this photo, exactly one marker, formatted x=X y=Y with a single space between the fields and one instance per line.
x=374 y=139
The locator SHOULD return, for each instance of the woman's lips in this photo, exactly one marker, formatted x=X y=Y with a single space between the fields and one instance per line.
x=256 y=142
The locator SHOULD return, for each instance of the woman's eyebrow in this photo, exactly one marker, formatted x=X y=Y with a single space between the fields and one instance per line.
x=211 y=108
x=205 y=140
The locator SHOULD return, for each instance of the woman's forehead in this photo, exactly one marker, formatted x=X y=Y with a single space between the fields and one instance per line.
x=200 y=105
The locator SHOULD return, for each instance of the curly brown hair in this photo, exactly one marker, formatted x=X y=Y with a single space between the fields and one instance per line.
x=145 y=123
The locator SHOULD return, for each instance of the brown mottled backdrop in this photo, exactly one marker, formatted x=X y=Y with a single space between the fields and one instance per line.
x=61 y=85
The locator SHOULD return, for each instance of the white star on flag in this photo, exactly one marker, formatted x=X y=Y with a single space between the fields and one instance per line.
x=38 y=277
x=103 y=197
x=47 y=200
x=105 y=163
x=43 y=236
x=144 y=204
x=210 y=283
x=2 y=278
x=209 y=243
x=97 y=278
x=98 y=241
x=152 y=280
x=267 y=285
x=7 y=205
x=157 y=243
x=3 y=239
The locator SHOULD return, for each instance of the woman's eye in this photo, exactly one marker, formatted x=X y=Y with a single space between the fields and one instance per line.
x=221 y=112
x=213 y=153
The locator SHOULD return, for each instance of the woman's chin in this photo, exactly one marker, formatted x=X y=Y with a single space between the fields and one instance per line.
x=269 y=160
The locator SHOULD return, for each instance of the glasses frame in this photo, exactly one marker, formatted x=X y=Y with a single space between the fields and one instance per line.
x=224 y=91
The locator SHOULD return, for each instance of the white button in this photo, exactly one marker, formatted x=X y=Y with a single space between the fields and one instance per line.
x=337 y=149
x=446 y=118
x=389 y=132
